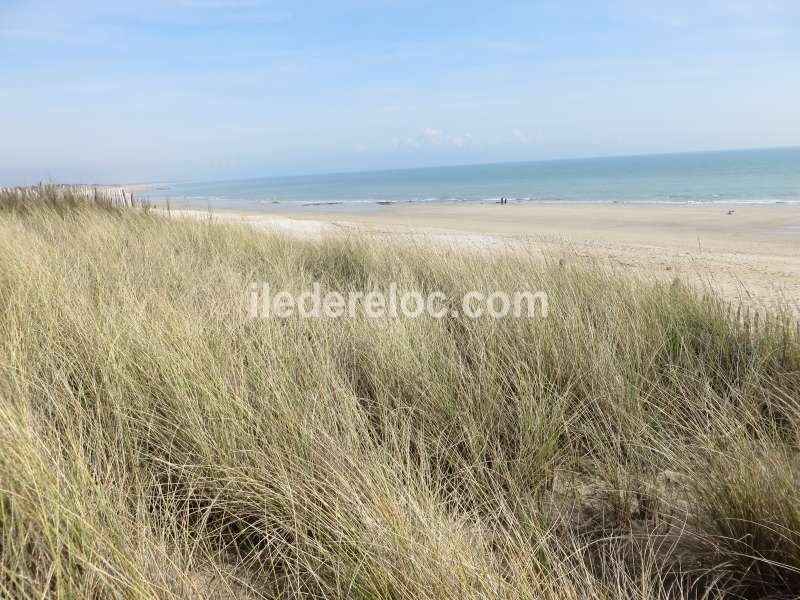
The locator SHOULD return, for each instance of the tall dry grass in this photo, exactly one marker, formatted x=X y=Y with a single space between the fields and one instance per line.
x=60 y=198
x=157 y=442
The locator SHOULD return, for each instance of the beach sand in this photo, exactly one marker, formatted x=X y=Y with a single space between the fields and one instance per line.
x=751 y=256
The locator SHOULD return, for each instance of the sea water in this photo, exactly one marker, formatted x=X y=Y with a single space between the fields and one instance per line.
x=740 y=176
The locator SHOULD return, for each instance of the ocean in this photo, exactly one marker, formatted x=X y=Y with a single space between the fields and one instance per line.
x=765 y=176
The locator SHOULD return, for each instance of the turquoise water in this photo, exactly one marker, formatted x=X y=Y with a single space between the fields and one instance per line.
x=740 y=176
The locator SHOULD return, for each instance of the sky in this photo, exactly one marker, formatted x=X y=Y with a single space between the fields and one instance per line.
x=167 y=90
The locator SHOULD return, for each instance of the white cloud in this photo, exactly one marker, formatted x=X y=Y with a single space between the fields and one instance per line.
x=521 y=137
x=431 y=137
x=461 y=140
x=407 y=143
x=437 y=137
x=432 y=134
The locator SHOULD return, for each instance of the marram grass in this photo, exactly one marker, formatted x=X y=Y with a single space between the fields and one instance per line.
x=157 y=442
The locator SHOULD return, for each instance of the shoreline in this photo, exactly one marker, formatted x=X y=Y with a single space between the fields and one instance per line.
x=355 y=207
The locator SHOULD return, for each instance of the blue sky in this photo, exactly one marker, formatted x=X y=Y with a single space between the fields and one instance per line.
x=209 y=89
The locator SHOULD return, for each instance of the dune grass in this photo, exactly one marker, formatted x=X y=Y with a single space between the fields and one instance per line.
x=61 y=198
x=158 y=442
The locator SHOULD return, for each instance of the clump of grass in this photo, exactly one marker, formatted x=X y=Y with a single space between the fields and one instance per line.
x=158 y=442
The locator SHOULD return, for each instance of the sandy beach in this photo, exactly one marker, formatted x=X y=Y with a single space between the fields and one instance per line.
x=751 y=256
